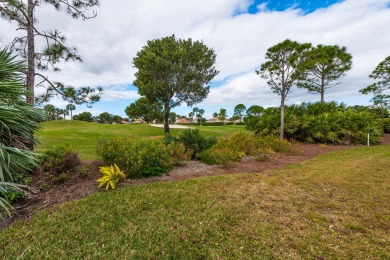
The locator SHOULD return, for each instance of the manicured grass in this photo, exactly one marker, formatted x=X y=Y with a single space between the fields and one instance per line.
x=84 y=137
x=333 y=207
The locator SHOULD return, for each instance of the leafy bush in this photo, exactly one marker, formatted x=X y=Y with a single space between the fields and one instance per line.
x=178 y=153
x=254 y=145
x=387 y=125
x=263 y=154
x=193 y=140
x=58 y=162
x=136 y=157
x=246 y=142
x=223 y=152
x=235 y=147
x=320 y=123
x=111 y=176
x=276 y=144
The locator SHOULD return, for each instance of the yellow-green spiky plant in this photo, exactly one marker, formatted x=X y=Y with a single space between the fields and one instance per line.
x=111 y=176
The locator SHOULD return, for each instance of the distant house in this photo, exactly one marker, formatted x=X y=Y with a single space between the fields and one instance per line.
x=123 y=122
x=182 y=121
x=138 y=121
x=214 y=120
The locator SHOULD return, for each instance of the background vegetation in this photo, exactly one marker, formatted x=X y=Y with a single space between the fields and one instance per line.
x=321 y=123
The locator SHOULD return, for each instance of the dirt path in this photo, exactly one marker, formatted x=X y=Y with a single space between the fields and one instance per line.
x=78 y=187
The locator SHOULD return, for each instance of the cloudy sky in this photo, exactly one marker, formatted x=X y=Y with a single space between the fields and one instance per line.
x=240 y=32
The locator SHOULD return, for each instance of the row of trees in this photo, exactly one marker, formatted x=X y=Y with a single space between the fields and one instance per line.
x=290 y=64
x=316 y=69
x=102 y=118
x=55 y=113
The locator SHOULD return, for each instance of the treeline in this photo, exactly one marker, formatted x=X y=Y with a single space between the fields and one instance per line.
x=54 y=113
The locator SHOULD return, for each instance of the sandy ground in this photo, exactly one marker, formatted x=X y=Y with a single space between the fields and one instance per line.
x=170 y=126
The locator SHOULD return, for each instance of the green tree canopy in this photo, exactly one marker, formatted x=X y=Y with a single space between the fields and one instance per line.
x=144 y=109
x=282 y=70
x=85 y=116
x=200 y=115
x=50 y=111
x=174 y=71
x=70 y=107
x=255 y=111
x=323 y=66
x=380 y=88
x=382 y=75
x=239 y=111
x=117 y=119
x=222 y=115
x=105 y=118
x=172 y=117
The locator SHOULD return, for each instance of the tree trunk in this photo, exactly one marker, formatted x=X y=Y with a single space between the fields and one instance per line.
x=30 y=53
x=282 y=116
x=166 y=118
x=322 y=89
x=71 y=115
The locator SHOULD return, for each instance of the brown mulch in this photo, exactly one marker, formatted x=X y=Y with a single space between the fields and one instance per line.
x=78 y=186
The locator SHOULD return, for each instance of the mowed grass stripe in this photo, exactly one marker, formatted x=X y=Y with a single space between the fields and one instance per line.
x=335 y=206
x=84 y=136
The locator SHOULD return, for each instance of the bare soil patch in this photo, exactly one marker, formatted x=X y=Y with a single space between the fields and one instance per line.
x=79 y=186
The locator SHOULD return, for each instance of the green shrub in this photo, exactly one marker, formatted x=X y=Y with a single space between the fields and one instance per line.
x=275 y=144
x=223 y=152
x=169 y=139
x=136 y=157
x=387 y=125
x=263 y=154
x=319 y=123
x=246 y=142
x=178 y=153
x=58 y=162
x=193 y=140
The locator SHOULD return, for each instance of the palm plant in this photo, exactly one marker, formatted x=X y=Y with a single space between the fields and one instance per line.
x=18 y=121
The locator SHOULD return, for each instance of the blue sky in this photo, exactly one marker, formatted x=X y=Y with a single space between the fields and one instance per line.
x=240 y=32
x=305 y=6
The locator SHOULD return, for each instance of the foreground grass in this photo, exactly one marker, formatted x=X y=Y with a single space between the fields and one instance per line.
x=335 y=206
x=84 y=136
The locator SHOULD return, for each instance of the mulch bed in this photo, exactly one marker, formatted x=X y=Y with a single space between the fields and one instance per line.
x=78 y=186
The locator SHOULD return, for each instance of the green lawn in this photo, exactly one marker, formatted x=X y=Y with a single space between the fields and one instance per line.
x=333 y=207
x=84 y=137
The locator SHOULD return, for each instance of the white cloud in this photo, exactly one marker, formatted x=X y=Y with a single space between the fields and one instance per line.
x=109 y=42
x=119 y=92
